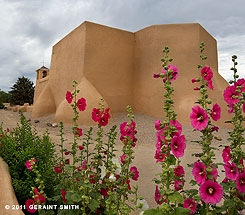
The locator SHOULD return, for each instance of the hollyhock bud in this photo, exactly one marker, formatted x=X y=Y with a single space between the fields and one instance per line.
x=81 y=147
x=67 y=152
x=196 y=88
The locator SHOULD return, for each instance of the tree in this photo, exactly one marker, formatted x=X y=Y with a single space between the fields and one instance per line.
x=3 y=98
x=22 y=92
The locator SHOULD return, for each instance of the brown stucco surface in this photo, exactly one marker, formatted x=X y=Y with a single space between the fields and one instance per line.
x=119 y=66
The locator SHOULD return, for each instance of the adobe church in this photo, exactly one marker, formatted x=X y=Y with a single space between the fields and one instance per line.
x=119 y=65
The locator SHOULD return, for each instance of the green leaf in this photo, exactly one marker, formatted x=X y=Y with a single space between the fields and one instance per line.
x=176 y=197
x=172 y=160
x=156 y=211
x=93 y=205
x=182 y=211
x=76 y=197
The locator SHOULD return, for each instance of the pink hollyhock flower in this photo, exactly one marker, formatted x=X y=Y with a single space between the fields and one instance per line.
x=240 y=82
x=179 y=171
x=215 y=128
x=40 y=198
x=67 y=152
x=178 y=185
x=199 y=172
x=159 y=155
x=210 y=85
x=231 y=106
x=81 y=104
x=84 y=165
x=81 y=148
x=158 y=124
x=63 y=193
x=177 y=125
x=243 y=107
x=207 y=73
x=214 y=173
x=174 y=73
x=127 y=129
x=67 y=161
x=215 y=113
x=158 y=198
x=240 y=183
x=123 y=158
x=29 y=206
x=211 y=192
x=196 y=88
x=190 y=204
x=79 y=168
x=96 y=114
x=58 y=168
x=104 y=119
x=226 y=154
x=69 y=97
x=178 y=145
x=194 y=80
x=78 y=132
x=231 y=171
x=230 y=94
x=225 y=180
x=199 y=118
x=135 y=172
x=30 y=163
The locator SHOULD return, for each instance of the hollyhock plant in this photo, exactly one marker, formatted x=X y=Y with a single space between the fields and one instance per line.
x=231 y=171
x=215 y=113
x=135 y=172
x=190 y=204
x=211 y=192
x=81 y=104
x=199 y=172
x=179 y=171
x=58 y=168
x=207 y=73
x=226 y=154
x=69 y=97
x=199 y=118
x=178 y=146
x=240 y=182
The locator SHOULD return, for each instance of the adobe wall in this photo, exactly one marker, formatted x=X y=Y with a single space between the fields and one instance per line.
x=119 y=66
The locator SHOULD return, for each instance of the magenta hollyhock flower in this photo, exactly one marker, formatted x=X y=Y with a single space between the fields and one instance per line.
x=199 y=118
x=214 y=173
x=135 y=172
x=211 y=192
x=215 y=128
x=104 y=119
x=96 y=114
x=215 y=113
x=58 y=168
x=210 y=85
x=159 y=155
x=123 y=159
x=30 y=163
x=67 y=161
x=67 y=152
x=240 y=183
x=225 y=180
x=29 y=206
x=177 y=125
x=190 y=204
x=243 y=107
x=69 y=97
x=79 y=132
x=174 y=73
x=240 y=82
x=226 y=154
x=156 y=75
x=199 y=172
x=231 y=171
x=178 y=145
x=158 y=197
x=178 y=185
x=158 y=124
x=81 y=148
x=63 y=193
x=81 y=104
x=207 y=73
x=231 y=106
x=230 y=94
x=179 y=171
x=127 y=129
x=196 y=88
x=40 y=198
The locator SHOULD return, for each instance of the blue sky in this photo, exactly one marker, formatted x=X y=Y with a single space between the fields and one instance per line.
x=29 y=28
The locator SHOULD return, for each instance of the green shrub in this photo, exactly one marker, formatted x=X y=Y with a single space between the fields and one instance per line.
x=18 y=146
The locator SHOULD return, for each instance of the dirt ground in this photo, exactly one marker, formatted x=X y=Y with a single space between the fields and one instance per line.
x=144 y=150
